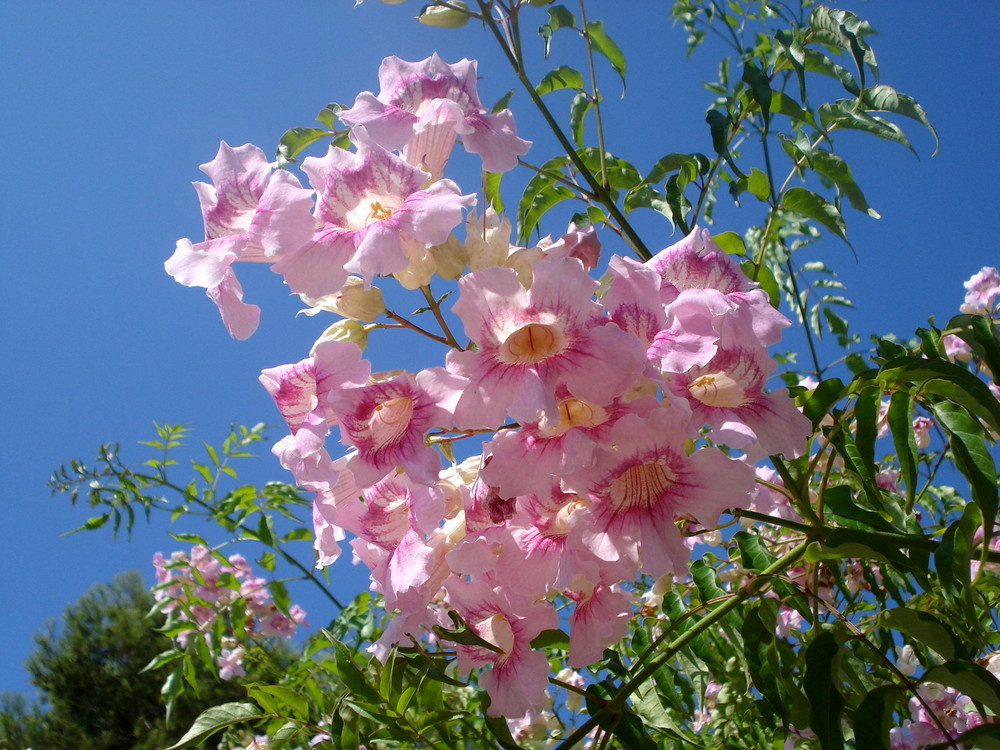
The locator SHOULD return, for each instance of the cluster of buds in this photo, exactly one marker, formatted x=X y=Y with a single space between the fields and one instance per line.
x=604 y=405
x=221 y=600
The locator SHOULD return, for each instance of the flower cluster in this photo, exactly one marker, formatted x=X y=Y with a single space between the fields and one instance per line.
x=938 y=714
x=614 y=412
x=217 y=598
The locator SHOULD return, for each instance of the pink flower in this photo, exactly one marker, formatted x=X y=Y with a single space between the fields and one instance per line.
x=387 y=421
x=728 y=394
x=981 y=291
x=422 y=107
x=517 y=677
x=647 y=482
x=230 y=663
x=373 y=212
x=532 y=341
x=250 y=214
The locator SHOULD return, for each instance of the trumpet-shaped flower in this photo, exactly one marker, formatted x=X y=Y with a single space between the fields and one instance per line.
x=728 y=394
x=423 y=107
x=644 y=484
x=251 y=213
x=386 y=421
x=517 y=679
x=532 y=341
x=373 y=211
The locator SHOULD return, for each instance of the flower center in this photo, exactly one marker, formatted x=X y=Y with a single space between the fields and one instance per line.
x=389 y=421
x=378 y=212
x=718 y=389
x=640 y=486
x=573 y=412
x=531 y=344
x=497 y=630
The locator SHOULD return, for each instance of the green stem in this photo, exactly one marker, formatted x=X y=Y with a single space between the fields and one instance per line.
x=677 y=644
x=414 y=327
x=595 y=95
x=598 y=189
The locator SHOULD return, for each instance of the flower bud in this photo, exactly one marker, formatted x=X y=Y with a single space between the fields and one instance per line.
x=344 y=330
x=352 y=301
x=445 y=18
x=450 y=258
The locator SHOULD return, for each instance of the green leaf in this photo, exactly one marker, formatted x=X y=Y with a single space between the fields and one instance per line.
x=603 y=43
x=491 y=190
x=978 y=332
x=874 y=717
x=899 y=419
x=954 y=554
x=973 y=459
x=278 y=699
x=815 y=61
x=462 y=634
x=833 y=167
x=719 y=124
x=782 y=103
x=924 y=628
x=296 y=139
x=673 y=163
x=578 y=108
x=761 y=655
x=550 y=639
x=844 y=114
x=758 y=185
x=807 y=203
x=502 y=102
x=819 y=403
x=866 y=412
x=559 y=18
x=968 y=677
x=540 y=194
x=354 y=679
x=760 y=89
x=887 y=99
x=328 y=115
x=563 y=77
x=944 y=379
x=825 y=700
x=645 y=196
x=215 y=719
x=983 y=737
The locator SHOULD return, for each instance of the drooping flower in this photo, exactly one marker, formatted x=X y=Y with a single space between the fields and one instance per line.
x=251 y=213
x=423 y=107
x=981 y=290
x=696 y=262
x=373 y=212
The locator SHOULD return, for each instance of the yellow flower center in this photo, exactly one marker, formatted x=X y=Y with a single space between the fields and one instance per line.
x=378 y=212
x=640 y=486
x=531 y=344
x=389 y=420
x=718 y=389
x=573 y=412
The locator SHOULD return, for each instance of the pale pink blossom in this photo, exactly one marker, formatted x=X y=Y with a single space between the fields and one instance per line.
x=981 y=290
x=423 y=106
x=532 y=341
x=251 y=213
x=373 y=212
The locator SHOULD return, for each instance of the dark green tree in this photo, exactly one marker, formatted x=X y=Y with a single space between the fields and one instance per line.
x=92 y=693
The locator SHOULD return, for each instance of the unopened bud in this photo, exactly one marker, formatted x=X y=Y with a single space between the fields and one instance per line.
x=450 y=258
x=446 y=18
x=352 y=301
x=344 y=330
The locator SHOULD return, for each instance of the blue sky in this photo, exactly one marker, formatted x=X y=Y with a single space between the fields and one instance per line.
x=109 y=107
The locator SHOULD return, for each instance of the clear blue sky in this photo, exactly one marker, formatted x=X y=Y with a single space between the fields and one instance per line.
x=109 y=107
